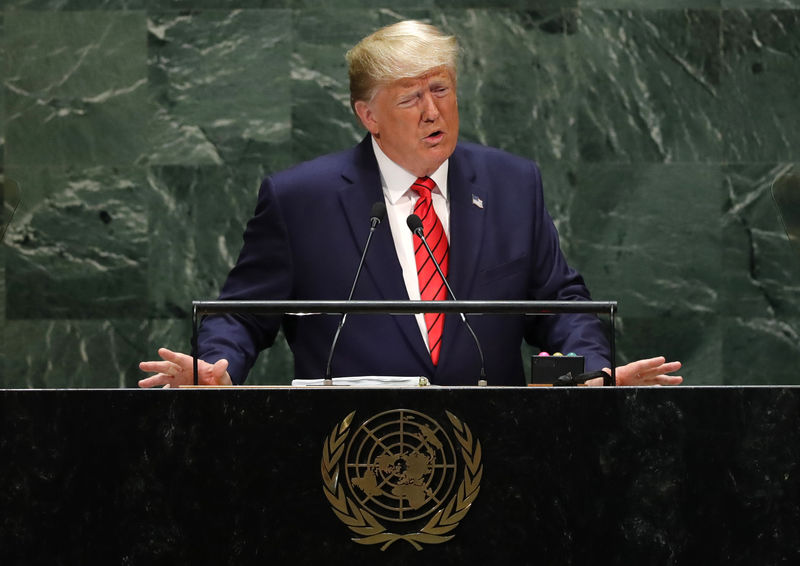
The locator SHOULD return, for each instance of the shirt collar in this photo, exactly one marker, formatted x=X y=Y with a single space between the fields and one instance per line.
x=397 y=181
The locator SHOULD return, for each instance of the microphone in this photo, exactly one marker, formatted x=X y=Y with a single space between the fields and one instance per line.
x=414 y=223
x=377 y=214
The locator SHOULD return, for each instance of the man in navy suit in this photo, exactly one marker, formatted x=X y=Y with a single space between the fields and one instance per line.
x=495 y=237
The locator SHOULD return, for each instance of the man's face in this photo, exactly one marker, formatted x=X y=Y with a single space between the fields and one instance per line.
x=415 y=121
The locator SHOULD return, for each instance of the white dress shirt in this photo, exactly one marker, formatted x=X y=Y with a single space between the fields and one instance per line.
x=400 y=200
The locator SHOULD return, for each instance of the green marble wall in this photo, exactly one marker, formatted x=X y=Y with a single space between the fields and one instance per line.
x=139 y=131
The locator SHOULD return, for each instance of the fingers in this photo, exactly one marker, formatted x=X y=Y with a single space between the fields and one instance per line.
x=167 y=368
x=176 y=369
x=651 y=371
x=668 y=380
x=173 y=370
x=177 y=358
x=157 y=380
x=642 y=366
x=659 y=375
x=220 y=367
x=595 y=382
x=216 y=374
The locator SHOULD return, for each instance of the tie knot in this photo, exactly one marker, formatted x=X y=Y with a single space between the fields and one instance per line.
x=423 y=186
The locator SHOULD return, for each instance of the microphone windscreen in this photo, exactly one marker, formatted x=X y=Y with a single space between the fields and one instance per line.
x=378 y=211
x=414 y=222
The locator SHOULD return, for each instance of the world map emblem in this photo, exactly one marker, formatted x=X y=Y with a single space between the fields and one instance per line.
x=401 y=475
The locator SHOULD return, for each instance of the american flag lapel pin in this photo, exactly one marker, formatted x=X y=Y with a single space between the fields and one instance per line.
x=476 y=200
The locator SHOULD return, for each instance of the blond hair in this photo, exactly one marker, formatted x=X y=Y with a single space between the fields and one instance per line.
x=403 y=50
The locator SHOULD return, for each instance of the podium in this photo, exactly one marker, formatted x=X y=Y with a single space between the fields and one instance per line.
x=683 y=475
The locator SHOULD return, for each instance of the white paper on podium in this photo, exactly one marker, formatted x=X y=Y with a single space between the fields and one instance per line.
x=367 y=381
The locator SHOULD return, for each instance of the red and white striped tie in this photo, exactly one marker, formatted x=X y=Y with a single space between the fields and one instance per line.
x=431 y=285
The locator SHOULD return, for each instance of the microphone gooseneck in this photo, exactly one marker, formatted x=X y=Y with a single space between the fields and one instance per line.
x=377 y=214
x=414 y=224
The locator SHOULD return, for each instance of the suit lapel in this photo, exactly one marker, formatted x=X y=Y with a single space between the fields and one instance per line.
x=361 y=188
x=468 y=200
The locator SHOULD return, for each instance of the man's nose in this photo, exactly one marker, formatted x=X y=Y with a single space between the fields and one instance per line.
x=430 y=111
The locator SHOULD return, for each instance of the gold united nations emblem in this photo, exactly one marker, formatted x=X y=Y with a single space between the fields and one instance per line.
x=400 y=476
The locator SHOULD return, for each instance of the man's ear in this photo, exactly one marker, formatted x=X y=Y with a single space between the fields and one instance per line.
x=367 y=117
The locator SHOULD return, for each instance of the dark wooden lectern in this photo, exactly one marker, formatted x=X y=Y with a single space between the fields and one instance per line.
x=567 y=475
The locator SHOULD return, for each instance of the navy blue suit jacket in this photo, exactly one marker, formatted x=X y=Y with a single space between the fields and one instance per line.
x=305 y=241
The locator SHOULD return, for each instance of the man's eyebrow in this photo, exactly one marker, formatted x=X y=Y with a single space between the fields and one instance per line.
x=408 y=93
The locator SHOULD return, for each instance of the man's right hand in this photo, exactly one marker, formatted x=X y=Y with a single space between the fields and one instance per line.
x=175 y=370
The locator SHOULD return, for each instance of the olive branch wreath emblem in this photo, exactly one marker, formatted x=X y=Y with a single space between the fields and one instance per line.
x=364 y=523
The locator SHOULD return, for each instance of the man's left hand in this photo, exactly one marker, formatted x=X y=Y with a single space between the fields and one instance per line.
x=653 y=371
